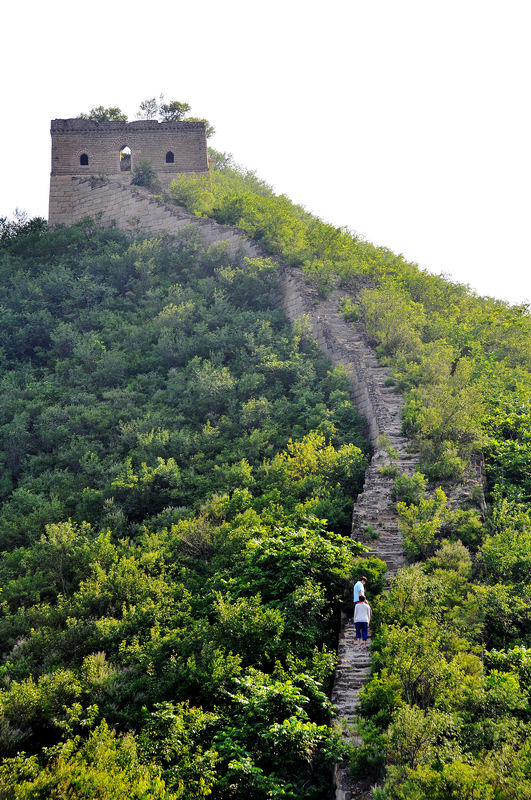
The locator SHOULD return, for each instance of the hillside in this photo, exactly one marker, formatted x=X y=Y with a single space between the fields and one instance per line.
x=171 y=448
x=446 y=710
x=179 y=468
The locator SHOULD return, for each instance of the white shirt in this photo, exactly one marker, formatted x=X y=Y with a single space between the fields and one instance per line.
x=362 y=612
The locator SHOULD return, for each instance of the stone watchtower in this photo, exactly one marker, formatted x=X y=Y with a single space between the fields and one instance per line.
x=87 y=149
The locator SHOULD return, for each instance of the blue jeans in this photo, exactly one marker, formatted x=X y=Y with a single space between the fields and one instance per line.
x=362 y=628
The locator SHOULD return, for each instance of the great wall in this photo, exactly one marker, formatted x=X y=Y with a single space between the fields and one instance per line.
x=112 y=201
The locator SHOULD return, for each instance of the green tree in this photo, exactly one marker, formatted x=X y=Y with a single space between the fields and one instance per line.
x=173 y=111
x=106 y=766
x=170 y=736
x=149 y=108
x=103 y=114
x=145 y=175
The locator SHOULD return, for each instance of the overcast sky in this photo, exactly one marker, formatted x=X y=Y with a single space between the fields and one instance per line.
x=408 y=121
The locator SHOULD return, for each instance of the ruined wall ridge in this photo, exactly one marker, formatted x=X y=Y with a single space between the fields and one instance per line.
x=77 y=124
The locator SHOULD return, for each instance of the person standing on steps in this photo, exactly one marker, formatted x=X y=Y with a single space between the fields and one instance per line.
x=359 y=589
x=362 y=617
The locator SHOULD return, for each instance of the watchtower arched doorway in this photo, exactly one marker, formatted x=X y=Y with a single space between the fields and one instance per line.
x=125 y=159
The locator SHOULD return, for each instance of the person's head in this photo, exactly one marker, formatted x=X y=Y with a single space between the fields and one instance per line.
x=363 y=599
x=363 y=580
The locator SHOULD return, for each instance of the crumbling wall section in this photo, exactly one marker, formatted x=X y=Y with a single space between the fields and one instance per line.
x=112 y=203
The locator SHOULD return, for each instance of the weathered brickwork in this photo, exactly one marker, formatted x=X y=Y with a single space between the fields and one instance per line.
x=374 y=520
x=346 y=344
x=85 y=148
x=130 y=208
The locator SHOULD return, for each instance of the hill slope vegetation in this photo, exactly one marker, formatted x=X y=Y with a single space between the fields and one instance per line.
x=171 y=449
x=170 y=585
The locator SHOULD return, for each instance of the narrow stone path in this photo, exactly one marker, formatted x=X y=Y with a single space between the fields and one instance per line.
x=352 y=671
x=349 y=680
x=374 y=519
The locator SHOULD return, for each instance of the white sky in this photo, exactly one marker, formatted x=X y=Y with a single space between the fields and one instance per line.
x=407 y=121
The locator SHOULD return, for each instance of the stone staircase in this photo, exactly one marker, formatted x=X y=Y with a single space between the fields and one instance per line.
x=352 y=671
x=350 y=678
x=374 y=519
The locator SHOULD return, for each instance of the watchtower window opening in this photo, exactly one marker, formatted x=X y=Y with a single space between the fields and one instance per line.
x=169 y=157
x=83 y=160
x=125 y=159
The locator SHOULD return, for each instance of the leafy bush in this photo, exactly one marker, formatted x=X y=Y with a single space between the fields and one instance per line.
x=421 y=523
x=145 y=175
x=105 y=766
x=409 y=488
